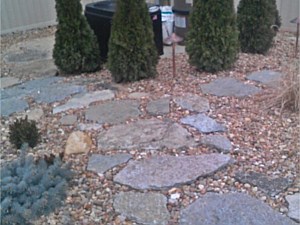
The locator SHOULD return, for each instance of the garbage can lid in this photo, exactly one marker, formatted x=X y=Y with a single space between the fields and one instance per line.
x=153 y=9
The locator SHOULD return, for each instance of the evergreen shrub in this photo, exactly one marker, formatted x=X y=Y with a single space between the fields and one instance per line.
x=24 y=131
x=31 y=188
x=132 y=53
x=76 y=47
x=255 y=19
x=212 y=39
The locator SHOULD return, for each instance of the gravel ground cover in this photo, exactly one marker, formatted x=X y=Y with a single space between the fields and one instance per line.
x=263 y=139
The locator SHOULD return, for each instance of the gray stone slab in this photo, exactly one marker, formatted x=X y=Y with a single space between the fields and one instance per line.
x=78 y=102
x=229 y=87
x=8 y=81
x=271 y=186
x=159 y=106
x=192 y=102
x=267 y=77
x=203 y=123
x=161 y=172
x=101 y=163
x=89 y=126
x=143 y=208
x=231 y=209
x=294 y=206
x=12 y=105
x=150 y=134
x=113 y=112
x=221 y=143
x=68 y=120
x=138 y=95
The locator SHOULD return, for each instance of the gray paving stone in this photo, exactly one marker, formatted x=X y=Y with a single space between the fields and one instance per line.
x=143 y=208
x=219 y=142
x=113 y=112
x=89 y=126
x=193 y=102
x=271 y=186
x=101 y=163
x=229 y=87
x=68 y=120
x=203 y=123
x=138 y=95
x=149 y=134
x=267 y=77
x=12 y=105
x=35 y=114
x=294 y=206
x=78 y=102
x=8 y=81
x=231 y=209
x=159 y=106
x=161 y=172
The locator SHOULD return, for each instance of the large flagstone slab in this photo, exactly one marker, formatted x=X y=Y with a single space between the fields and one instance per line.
x=161 y=172
x=12 y=105
x=231 y=209
x=143 y=208
x=192 y=102
x=113 y=112
x=229 y=87
x=149 y=134
x=268 y=77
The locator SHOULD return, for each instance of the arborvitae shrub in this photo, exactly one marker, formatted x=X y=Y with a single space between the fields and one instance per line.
x=255 y=19
x=132 y=53
x=76 y=48
x=24 y=131
x=30 y=188
x=212 y=40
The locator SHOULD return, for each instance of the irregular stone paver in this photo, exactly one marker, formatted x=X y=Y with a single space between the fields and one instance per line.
x=138 y=95
x=89 y=126
x=113 y=112
x=162 y=172
x=83 y=101
x=231 y=209
x=144 y=208
x=267 y=77
x=219 y=142
x=271 y=186
x=149 y=134
x=193 y=102
x=8 y=81
x=35 y=114
x=101 y=163
x=203 y=123
x=68 y=120
x=159 y=106
x=12 y=105
x=229 y=87
x=294 y=206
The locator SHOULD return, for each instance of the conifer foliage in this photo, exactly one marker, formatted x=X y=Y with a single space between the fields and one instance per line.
x=132 y=53
x=255 y=20
x=76 y=47
x=212 y=40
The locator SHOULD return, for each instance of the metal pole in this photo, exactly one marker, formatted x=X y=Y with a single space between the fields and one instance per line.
x=173 y=56
x=297 y=39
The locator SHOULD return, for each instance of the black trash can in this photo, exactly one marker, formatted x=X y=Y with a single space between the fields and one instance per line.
x=100 y=14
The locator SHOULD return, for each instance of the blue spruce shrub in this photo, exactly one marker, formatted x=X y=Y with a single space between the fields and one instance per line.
x=31 y=188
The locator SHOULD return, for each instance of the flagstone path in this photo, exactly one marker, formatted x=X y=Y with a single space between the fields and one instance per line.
x=158 y=173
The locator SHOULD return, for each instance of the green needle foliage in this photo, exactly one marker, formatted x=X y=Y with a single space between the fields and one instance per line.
x=255 y=19
x=76 y=47
x=212 y=41
x=132 y=53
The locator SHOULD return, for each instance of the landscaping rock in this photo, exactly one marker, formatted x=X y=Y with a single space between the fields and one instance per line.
x=161 y=172
x=35 y=114
x=149 y=134
x=8 y=81
x=101 y=163
x=231 y=209
x=267 y=77
x=89 y=126
x=138 y=95
x=193 y=102
x=159 y=106
x=143 y=208
x=221 y=143
x=78 y=142
x=113 y=112
x=294 y=206
x=229 y=87
x=203 y=123
x=12 y=105
x=78 y=102
x=271 y=186
x=68 y=120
